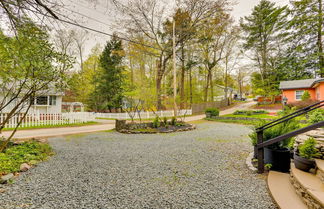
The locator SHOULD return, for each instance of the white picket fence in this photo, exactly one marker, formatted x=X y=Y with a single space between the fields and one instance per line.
x=143 y=115
x=39 y=119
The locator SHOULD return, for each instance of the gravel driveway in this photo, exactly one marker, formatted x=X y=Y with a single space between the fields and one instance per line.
x=203 y=168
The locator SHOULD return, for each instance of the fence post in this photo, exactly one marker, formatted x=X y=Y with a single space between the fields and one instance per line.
x=260 y=152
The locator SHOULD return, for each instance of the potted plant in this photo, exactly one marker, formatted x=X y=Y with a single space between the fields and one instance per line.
x=211 y=112
x=278 y=154
x=303 y=157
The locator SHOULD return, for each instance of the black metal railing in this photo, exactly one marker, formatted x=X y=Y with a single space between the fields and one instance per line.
x=261 y=144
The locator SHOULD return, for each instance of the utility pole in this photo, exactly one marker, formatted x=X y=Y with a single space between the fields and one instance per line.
x=175 y=108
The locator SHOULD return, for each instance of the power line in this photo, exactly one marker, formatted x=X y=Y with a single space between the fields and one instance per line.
x=88 y=28
x=91 y=18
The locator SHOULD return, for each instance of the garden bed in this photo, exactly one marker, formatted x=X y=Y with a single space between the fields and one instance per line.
x=21 y=156
x=151 y=128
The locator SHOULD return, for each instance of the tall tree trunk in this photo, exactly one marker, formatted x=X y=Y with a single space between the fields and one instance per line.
x=142 y=69
x=319 y=39
x=190 y=86
x=159 y=76
x=207 y=85
x=132 y=71
x=182 y=79
x=211 y=87
x=226 y=81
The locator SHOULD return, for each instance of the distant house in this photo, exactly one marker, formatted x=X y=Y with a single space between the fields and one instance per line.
x=49 y=102
x=293 y=90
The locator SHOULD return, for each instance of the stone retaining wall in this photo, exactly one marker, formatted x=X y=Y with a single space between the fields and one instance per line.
x=132 y=128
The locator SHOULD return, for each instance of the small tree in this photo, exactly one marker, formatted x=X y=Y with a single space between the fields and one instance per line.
x=29 y=67
x=306 y=96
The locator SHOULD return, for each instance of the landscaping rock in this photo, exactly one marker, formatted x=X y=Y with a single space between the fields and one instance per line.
x=4 y=179
x=40 y=140
x=24 y=167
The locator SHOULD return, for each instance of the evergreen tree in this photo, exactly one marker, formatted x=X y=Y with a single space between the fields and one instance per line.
x=110 y=81
x=306 y=29
x=264 y=39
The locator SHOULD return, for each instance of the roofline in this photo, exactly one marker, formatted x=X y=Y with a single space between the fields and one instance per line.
x=308 y=87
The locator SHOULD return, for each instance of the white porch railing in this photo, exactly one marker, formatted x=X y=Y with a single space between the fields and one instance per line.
x=143 y=115
x=40 y=119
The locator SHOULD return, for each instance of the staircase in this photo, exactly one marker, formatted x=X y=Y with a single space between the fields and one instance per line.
x=299 y=189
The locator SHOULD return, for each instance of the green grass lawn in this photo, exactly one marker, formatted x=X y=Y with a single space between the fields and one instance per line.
x=259 y=116
x=244 y=122
x=53 y=126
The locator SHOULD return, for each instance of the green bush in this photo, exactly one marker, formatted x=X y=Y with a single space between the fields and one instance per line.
x=156 y=122
x=316 y=116
x=308 y=150
x=173 y=121
x=306 y=96
x=212 y=111
x=165 y=120
x=275 y=131
x=27 y=152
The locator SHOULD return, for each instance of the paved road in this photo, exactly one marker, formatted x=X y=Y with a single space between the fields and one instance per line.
x=50 y=132
x=203 y=168
x=242 y=106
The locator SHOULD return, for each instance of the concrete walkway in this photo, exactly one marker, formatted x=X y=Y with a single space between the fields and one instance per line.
x=104 y=126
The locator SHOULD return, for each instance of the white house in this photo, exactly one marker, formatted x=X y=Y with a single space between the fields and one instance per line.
x=49 y=102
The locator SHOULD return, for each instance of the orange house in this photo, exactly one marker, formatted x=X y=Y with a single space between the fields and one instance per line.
x=293 y=90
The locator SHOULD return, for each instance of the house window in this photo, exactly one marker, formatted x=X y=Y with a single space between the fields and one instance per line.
x=299 y=94
x=52 y=100
x=41 y=100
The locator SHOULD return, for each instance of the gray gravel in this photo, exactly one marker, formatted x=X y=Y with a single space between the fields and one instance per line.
x=203 y=168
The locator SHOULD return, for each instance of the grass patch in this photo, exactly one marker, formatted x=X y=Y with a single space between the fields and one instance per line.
x=28 y=152
x=53 y=126
x=259 y=116
x=244 y=122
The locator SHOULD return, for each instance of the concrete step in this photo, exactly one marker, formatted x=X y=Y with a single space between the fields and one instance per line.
x=320 y=169
x=309 y=187
x=283 y=192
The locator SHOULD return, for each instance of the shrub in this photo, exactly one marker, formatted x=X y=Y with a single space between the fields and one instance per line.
x=165 y=120
x=308 y=150
x=173 y=121
x=250 y=112
x=156 y=122
x=212 y=111
x=275 y=131
x=316 y=116
x=306 y=96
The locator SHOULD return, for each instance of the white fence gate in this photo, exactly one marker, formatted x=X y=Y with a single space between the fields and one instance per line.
x=142 y=115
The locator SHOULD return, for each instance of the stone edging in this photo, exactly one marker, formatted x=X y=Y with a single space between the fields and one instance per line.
x=248 y=162
x=125 y=131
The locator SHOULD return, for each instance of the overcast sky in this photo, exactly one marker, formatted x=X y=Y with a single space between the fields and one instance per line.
x=100 y=16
